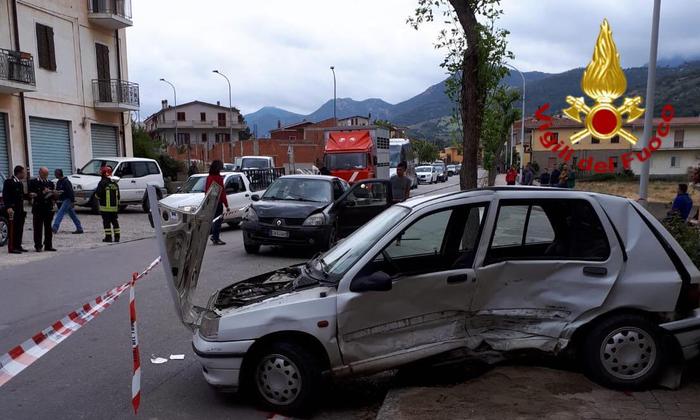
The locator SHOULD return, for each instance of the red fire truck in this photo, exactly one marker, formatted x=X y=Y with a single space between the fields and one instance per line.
x=358 y=154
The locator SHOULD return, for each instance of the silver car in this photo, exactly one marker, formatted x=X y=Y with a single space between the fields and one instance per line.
x=496 y=269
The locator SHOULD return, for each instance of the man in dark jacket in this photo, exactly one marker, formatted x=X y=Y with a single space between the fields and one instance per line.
x=67 y=203
x=554 y=179
x=42 y=192
x=108 y=196
x=13 y=198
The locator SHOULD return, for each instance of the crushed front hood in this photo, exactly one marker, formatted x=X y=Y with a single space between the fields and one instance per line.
x=182 y=238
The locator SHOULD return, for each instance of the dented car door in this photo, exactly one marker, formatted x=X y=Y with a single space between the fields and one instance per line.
x=547 y=262
x=430 y=264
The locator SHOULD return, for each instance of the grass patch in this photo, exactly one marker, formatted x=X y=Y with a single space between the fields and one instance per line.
x=659 y=191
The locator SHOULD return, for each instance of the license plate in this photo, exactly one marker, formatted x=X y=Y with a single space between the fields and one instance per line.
x=279 y=233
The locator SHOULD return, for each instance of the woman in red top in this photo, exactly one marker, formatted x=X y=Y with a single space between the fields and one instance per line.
x=511 y=175
x=216 y=178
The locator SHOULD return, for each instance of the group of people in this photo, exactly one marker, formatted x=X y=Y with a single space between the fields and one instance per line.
x=561 y=178
x=45 y=197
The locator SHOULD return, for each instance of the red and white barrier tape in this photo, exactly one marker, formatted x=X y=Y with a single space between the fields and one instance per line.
x=22 y=356
x=136 y=378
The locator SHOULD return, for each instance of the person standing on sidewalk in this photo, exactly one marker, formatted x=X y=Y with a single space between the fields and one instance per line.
x=42 y=192
x=108 y=196
x=216 y=178
x=400 y=183
x=13 y=196
x=511 y=175
x=67 y=206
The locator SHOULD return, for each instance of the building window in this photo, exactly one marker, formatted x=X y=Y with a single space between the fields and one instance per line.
x=678 y=137
x=45 y=47
x=615 y=139
x=202 y=116
x=595 y=140
x=675 y=162
x=614 y=160
x=223 y=137
x=222 y=119
x=204 y=137
x=292 y=137
x=181 y=116
x=182 y=139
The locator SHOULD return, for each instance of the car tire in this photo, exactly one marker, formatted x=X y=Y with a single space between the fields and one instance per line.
x=332 y=238
x=122 y=208
x=632 y=337
x=250 y=247
x=4 y=231
x=286 y=378
x=94 y=205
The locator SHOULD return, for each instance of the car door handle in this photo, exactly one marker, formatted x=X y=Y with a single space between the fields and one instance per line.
x=459 y=278
x=595 y=271
x=133 y=182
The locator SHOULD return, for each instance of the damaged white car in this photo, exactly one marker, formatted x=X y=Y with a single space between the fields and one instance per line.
x=488 y=270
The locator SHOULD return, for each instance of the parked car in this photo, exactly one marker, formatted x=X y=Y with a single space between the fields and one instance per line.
x=499 y=269
x=133 y=174
x=427 y=174
x=191 y=193
x=311 y=210
x=257 y=162
x=441 y=171
x=229 y=167
x=451 y=170
x=459 y=168
x=4 y=226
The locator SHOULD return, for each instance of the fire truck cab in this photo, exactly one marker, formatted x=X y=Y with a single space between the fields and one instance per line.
x=355 y=155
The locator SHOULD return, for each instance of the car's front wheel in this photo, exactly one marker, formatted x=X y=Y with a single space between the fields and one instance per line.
x=624 y=352
x=250 y=247
x=4 y=231
x=286 y=378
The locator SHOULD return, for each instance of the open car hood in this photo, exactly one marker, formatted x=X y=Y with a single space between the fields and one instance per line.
x=182 y=239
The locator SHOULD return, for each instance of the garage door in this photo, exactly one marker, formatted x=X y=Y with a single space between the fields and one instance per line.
x=50 y=145
x=4 y=155
x=104 y=141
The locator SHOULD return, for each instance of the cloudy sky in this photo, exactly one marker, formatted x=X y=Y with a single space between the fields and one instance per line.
x=278 y=52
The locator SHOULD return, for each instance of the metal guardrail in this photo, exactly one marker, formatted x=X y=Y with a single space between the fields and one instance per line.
x=17 y=66
x=260 y=179
x=116 y=7
x=115 y=91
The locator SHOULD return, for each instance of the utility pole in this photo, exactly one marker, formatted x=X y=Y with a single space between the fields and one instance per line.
x=175 y=99
x=230 y=117
x=335 y=116
x=651 y=91
x=522 y=117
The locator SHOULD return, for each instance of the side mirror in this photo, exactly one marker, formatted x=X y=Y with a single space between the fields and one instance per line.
x=378 y=281
x=255 y=197
x=80 y=171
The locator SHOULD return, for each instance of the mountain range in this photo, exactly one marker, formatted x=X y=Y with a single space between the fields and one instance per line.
x=428 y=114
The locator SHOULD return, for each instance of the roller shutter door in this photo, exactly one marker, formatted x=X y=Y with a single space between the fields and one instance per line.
x=104 y=141
x=50 y=145
x=4 y=154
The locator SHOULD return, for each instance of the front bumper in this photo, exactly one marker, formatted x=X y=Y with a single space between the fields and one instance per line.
x=221 y=360
x=83 y=197
x=298 y=235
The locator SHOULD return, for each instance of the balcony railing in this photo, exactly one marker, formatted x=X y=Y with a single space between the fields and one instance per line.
x=114 y=14
x=199 y=124
x=116 y=95
x=17 y=67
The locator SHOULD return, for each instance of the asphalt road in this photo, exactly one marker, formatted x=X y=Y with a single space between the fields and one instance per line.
x=89 y=374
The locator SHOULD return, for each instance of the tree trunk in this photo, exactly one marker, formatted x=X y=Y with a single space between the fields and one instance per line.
x=470 y=101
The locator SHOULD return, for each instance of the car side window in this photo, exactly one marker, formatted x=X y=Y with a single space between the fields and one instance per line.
x=424 y=237
x=139 y=169
x=337 y=189
x=152 y=168
x=369 y=194
x=473 y=222
x=547 y=229
x=233 y=184
x=124 y=170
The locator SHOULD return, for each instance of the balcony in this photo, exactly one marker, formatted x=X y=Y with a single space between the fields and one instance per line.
x=16 y=72
x=111 y=14
x=208 y=125
x=115 y=95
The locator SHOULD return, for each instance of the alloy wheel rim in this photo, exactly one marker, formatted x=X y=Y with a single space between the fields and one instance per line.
x=3 y=231
x=278 y=379
x=628 y=353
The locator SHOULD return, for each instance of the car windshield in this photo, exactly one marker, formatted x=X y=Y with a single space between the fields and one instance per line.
x=194 y=184
x=93 y=167
x=346 y=161
x=300 y=189
x=344 y=255
x=438 y=167
x=424 y=169
x=255 y=163
x=394 y=155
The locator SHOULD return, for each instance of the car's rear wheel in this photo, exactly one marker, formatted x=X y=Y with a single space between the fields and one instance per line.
x=624 y=352
x=286 y=378
x=94 y=204
x=4 y=231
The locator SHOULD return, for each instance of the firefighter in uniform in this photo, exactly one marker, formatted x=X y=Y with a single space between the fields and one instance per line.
x=108 y=196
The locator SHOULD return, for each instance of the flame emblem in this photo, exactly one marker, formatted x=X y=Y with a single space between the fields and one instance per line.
x=604 y=82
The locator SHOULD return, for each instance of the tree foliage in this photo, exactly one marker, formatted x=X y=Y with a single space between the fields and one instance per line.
x=425 y=151
x=475 y=53
x=499 y=116
x=147 y=147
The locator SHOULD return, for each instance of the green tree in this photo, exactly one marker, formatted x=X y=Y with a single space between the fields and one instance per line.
x=245 y=134
x=425 y=151
x=475 y=52
x=147 y=147
x=499 y=116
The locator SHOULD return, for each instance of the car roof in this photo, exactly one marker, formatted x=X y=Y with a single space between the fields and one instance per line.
x=123 y=159
x=321 y=177
x=223 y=173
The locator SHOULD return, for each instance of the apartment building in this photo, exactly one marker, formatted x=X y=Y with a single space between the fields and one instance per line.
x=65 y=94
x=679 y=151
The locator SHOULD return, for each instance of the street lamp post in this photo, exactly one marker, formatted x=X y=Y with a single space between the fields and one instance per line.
x=175 y=100
x=651 y=91
x=230 y=114
x=522 y=117
x=335 y=116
